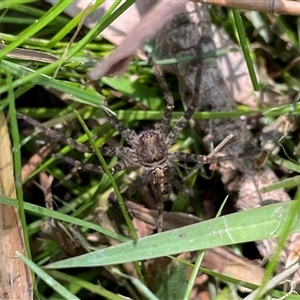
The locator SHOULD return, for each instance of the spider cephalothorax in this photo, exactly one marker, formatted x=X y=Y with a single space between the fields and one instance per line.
x=151 y=149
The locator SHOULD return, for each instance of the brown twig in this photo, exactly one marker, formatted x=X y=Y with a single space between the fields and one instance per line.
x=271 y=6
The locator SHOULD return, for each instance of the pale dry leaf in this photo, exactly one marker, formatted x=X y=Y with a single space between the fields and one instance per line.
x=152 y=22
x=15 y=279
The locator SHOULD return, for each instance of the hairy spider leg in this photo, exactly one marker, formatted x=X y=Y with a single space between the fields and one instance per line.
x=161 y=187
x=200 y=159
x=179 y=126
x=55 y=135
x=86 y=167
x=121 y=152
x=127 y=156
x=167 y=117
x=182 y=122
x=129 y=135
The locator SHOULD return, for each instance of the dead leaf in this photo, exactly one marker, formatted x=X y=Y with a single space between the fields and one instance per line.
x=155 y=19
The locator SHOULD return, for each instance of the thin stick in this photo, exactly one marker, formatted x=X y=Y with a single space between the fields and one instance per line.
x=272 y=6
x=211 y=154
x=275 y=281
x=221 y=145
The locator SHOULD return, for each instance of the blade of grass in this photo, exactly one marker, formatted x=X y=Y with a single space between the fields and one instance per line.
x=17 y=161
x=77 y=92
x=85 y=284
x=80 y=45
x=257 y=224
x=286 y=231
x=56 y=10
x=292 y=166
x=38 y=13
x=72 y=24
x=115 y=187
x=41 y=211
x=32 y=55
x=83 y=16
x=193 y=276
x=8 y=3
x=60 y=289
x=112 y=180
x=245 y=47
x=138 y=284
x=285 y=183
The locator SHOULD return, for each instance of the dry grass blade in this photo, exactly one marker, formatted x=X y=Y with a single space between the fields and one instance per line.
x=271 y=6
x=15 y=276
x=32 y=55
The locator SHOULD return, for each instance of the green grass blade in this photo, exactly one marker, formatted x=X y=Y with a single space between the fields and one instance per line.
x=245 y=47
x=4 y=4
x=188 y=291
x=285 y=183
x=111 y=178
x=101 y=291
x=283 y=237
x=261 y=223
x=61 y=290
x=72 y=24
x=77 y=92
x=41 y=211
x=120 y=200
x=17 y=161
x=139 y=285
x=56 y=10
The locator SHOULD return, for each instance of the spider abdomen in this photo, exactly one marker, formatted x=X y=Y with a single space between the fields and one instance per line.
x=160 y=180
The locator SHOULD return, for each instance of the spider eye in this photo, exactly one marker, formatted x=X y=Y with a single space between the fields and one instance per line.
x=149 y=134
x=156 y=172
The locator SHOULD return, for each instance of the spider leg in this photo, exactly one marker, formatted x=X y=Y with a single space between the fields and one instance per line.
x=161 y=188
x=200 y=159
x=122 y=165
x=182 y=122
x=55 y=135
x=167 y=117
x=86 y=167
x=122 y=152
x=128 y=134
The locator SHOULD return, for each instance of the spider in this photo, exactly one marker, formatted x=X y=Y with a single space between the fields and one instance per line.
x=148 y=149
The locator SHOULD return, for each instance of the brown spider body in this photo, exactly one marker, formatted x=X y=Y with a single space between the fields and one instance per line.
x=148 y=150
